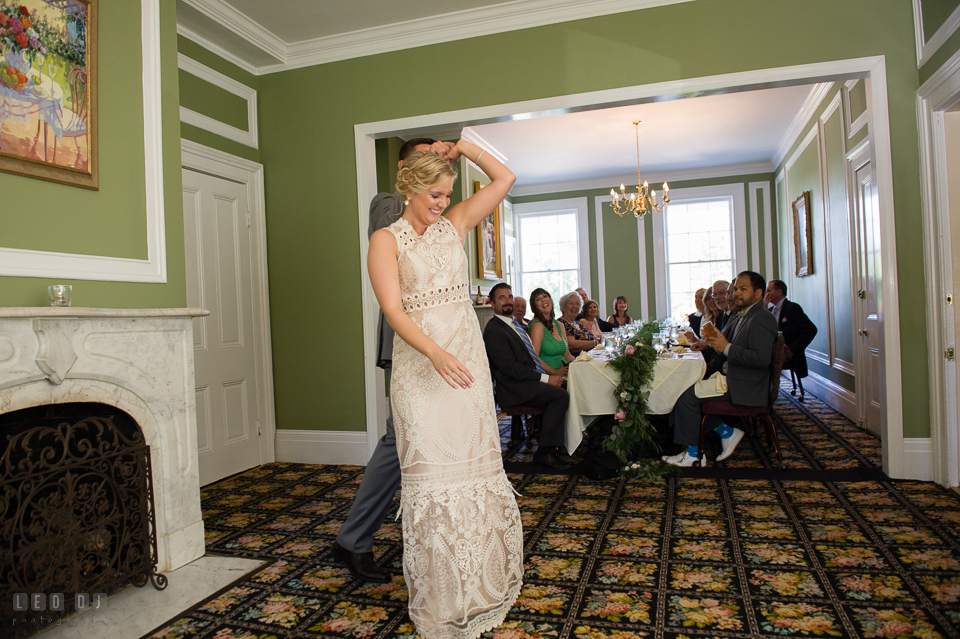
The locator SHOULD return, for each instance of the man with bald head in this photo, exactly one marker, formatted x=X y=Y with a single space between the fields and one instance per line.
x=720 y=297
x=520 y=311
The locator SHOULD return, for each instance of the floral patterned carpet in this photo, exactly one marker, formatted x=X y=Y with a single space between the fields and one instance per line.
x=685 y=557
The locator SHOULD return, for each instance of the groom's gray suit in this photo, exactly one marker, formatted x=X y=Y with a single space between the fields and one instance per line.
x=381 y=479
x=746 y=365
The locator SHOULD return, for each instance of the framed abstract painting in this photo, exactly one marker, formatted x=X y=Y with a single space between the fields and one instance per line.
x=48 y=90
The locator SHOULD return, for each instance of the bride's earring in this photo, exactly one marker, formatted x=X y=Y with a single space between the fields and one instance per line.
x=406 y=202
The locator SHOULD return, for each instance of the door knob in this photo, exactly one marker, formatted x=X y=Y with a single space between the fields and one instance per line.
x=863 y=332
x=862 y=294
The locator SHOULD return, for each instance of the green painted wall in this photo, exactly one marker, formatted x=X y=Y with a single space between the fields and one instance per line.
x=214 y=102
x=308 y=148
x=111 y=221
x=935 y=13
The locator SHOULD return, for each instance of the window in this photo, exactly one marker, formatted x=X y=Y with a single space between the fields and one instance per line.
x=699 y=249
x=549 y=253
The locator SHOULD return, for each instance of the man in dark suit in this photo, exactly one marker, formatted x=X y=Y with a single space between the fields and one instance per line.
x=695 y=318
x=519 y=378
x=743 y=352
x=720 y=297
x=798 y=331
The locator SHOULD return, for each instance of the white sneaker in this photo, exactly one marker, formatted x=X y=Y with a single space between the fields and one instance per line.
x=685 y=460
x=730 y=444
x=673 y=459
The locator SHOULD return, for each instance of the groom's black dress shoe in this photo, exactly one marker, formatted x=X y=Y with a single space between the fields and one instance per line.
x=361 y=565
x=547 y=459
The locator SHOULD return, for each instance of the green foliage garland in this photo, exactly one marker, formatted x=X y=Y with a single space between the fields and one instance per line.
x=635 y=365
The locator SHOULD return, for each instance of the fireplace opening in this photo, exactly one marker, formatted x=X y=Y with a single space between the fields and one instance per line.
x=76 y=510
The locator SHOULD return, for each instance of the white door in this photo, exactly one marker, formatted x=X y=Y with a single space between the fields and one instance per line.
x=219 y=276
x=870 y=314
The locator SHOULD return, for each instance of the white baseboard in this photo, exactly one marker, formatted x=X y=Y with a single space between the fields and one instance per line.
x=833 y=395
x=322 y=446
x=917 y=458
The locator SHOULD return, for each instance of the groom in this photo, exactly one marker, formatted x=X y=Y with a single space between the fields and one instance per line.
x=354 y=545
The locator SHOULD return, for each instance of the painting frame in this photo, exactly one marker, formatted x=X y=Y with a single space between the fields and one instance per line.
x=803 y=235
x=489 y=243
x=49 y=170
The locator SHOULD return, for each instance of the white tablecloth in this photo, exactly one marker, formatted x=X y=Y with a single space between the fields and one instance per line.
x=591 y=385
x=29 y=106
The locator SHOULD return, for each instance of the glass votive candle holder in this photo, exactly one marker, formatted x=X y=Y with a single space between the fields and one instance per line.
x=60 y=294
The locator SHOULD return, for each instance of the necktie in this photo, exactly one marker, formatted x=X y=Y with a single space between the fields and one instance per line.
x=526 y=342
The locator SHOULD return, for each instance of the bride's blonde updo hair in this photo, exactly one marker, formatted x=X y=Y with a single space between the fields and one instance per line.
x=422 y=171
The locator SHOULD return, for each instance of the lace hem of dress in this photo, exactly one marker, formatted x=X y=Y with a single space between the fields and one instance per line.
x=420 y=497
x=433 y=299
x=483 y=622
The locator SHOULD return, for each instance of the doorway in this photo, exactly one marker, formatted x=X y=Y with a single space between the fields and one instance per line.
x=226 y=273
x=366 y=134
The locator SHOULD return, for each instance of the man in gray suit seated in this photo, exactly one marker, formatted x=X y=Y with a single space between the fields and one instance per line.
x=743 y=353
x=354 y=545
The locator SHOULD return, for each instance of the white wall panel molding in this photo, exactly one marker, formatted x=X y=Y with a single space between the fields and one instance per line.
x=927 y=47
x=30 y=263
x=917 y=455
x=322 y=447
x=835 y=105
x=213 y=47
x=601 y=265
x=248 y=94
x=817 y=93
x=760 y=209
x=853 y=125
x=671 y=177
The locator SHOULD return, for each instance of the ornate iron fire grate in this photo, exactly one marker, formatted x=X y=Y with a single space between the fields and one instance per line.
x=76 y=503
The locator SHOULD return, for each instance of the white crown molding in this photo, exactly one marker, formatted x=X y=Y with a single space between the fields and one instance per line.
x=248 y=137
x=28 y=263
x=228 y=17
x=810 y=106
x=680 y=175
x=470 y=135
x=229 y=56
x=457 y=25
x=926 y=49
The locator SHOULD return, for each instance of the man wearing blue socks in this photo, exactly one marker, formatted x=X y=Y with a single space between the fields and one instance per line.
x=743 y=353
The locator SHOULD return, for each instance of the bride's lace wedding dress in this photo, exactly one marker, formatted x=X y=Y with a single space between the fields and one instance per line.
x=462 y=537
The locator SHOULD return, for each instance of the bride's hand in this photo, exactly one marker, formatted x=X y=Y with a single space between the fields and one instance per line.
x=451 y=370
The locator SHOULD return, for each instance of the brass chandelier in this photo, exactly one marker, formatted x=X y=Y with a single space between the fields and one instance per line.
x=644 y=200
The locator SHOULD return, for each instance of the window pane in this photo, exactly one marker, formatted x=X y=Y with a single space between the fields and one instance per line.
x=549 y=253
x=548 y=229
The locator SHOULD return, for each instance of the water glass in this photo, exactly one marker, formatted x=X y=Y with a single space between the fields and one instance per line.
x=60 y=294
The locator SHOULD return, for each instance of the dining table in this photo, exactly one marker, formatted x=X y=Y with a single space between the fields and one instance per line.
x=591 y=384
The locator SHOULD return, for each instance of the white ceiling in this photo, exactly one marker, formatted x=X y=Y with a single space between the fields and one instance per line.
x=677 y=135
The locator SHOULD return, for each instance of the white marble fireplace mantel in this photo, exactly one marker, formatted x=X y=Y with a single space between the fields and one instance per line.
x=138 y=360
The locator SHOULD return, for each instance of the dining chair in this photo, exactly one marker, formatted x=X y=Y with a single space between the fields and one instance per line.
x=75 y=119
x=517 y=430
x=750 y=414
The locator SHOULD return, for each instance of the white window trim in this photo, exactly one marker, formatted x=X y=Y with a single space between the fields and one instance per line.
x=733 y=192
x=577 y=205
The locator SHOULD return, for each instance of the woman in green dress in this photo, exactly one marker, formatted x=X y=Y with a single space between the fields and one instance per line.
x=547 y=335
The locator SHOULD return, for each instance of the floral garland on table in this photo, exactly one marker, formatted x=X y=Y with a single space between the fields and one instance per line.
x=635 y=366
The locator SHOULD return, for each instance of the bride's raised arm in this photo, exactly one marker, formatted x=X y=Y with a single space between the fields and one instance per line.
x=467 y=214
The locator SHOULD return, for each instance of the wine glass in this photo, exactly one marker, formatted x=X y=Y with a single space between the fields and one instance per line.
x=609 y=346
x=658 y=343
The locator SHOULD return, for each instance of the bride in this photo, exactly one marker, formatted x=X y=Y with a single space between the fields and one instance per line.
x=462 y=537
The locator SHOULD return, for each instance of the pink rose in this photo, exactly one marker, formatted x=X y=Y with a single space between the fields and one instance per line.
x=620 y=415
x=629 y=350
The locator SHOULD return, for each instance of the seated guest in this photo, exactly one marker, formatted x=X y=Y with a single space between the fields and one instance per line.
x=798 y=331
x=519 y=377
x=620 y=316
x=520 y=310
x=578 y=339
x=720 y=297
x=583 y=299
x=694 y=319
x=547 y=335
x=744 y=354
x=591 y=323
x=710 y=310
